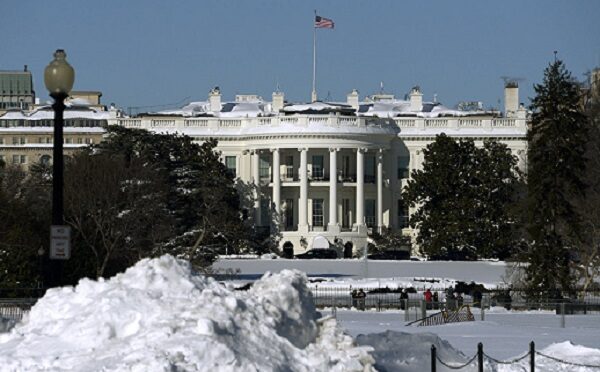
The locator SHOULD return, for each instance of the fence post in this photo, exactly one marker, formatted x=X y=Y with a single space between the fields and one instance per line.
x=423 y=309
x=406 y=312
x=433 y=358
x=562 y=315
x=482 y=313
x=532 y=356
x=480 y=356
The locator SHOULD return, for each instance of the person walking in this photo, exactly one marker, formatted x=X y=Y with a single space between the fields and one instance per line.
x=361 y=295
x=428 y=298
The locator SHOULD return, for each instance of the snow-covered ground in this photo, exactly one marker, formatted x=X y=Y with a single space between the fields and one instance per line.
x=488 y=272
x=160 y=316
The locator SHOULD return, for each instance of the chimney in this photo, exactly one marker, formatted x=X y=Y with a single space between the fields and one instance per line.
x=214 y=99
x=352 y=99
x=511 y=99
x=25 y=68
x=278 y=101
x=416 y=99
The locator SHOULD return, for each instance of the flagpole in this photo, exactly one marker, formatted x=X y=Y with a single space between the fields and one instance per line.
x=314 y=82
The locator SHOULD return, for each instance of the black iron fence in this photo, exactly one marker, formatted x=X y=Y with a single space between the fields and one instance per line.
x=13 y=309
x=480 y=358
x=383 y=298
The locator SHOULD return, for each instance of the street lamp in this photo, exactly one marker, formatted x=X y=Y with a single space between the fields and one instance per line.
x=58 y=77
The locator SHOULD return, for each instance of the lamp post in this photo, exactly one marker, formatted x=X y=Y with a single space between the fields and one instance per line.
x=59 y=77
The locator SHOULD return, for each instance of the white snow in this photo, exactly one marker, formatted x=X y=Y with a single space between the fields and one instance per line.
x=159 y=316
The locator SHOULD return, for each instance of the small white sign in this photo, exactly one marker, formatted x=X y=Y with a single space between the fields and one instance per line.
x=60 y=242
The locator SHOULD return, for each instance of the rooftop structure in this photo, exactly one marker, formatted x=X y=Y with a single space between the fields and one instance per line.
x=16 y=90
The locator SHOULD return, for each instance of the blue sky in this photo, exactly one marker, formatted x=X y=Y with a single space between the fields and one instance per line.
x=149 y=52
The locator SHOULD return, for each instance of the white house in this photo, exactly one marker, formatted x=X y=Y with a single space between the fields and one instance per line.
x=332 y=170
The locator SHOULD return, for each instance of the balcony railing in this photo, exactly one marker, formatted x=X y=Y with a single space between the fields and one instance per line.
x=321 y=120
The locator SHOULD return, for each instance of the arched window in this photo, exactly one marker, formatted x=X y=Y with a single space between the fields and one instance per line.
x=45 y=159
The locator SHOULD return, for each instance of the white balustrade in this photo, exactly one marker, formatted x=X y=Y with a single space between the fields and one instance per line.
x=230 y=123
x=163 y=123
x=436 y=123
x=196 y=123
x=470 y=123
x=504 y=123
x=130 y=123
x=405 y=123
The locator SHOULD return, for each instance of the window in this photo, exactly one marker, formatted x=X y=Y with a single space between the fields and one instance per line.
x=1 y=140
x=317 y=167
x=345 y=213
x=80 y=140
x=370 y=212
x=230 y=163
x=15 y=140
x=19 y=159
x=346 y=167
x=263 y=168
x=289 y=213
x=289 y=167
x=88 y=141
x=370 y=168
x=1 y=158
x=403 y=166
x=45 y=159
x=403 y=218
x=317 y=212
x=68 y=140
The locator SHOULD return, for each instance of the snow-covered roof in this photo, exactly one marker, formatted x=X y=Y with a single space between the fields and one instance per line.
x=46 y=113
x=317 y=107
x=400 y=108
x=228 y=110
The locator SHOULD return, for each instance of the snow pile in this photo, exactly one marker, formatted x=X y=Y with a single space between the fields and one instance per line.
x=405 y=352
x=565 y=352
x=158 y=316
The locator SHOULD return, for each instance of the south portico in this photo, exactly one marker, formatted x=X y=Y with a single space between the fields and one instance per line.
x=312 y=196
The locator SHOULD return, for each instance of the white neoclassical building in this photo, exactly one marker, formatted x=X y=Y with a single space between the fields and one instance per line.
x=329 y=173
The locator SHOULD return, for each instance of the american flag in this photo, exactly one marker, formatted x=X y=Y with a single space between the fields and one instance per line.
x=322 y=22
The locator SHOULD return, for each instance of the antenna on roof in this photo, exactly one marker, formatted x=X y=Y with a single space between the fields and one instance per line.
x=277 y=88
x=434 y=97
x=381 y=87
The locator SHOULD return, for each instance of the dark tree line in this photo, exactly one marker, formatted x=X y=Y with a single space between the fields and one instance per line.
x=135 y=195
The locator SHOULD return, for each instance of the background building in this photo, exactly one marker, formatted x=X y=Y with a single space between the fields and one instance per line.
x=16 y=90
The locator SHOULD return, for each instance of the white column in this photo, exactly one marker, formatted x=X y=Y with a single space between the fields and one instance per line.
x=379 y=190
x=302 y=214
x=256 y=181
x=333 y=223
x=360 y=187
x=277 y=184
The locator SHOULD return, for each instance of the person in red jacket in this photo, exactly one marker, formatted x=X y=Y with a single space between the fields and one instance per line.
x=428 y=298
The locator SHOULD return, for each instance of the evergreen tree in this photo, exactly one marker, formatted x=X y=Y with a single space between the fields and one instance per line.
x=462 y=196
x=202 y=198
x=556 y=158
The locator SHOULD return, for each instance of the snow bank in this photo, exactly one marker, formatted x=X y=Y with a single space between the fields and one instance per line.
x=405 y=352
x=158 y=316
x=567 y=352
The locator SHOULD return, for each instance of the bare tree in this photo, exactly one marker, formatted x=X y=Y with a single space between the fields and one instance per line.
x=115 y=206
